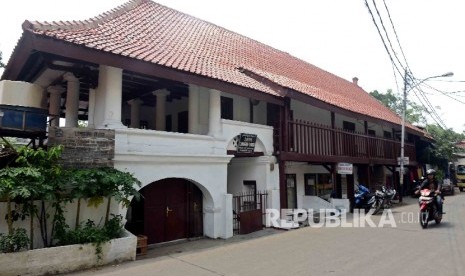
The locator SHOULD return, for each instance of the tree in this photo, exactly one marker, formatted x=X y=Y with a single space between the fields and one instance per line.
x=414 y=112
x=2 y=65
x=444 y=146
x=442 y=149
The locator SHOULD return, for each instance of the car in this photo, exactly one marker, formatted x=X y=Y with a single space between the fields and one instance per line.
x=447 y=187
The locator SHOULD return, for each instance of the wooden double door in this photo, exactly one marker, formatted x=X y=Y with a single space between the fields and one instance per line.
x=172 y=210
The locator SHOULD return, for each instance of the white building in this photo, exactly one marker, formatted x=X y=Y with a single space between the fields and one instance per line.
x=181 y=94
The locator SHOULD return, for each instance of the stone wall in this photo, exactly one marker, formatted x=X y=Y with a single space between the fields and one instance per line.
x=84 y=147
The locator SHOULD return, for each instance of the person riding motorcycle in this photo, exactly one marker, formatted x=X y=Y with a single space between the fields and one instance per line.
x=431 y=183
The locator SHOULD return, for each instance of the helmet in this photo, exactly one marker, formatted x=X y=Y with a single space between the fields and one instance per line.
x=431 y=171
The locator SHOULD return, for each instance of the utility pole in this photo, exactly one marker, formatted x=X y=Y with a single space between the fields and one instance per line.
x=402 y=138
x=402 y=135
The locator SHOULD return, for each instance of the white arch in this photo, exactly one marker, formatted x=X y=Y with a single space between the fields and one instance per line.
x=259 y=145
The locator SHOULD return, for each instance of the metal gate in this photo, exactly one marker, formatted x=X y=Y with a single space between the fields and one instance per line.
x=249 y=211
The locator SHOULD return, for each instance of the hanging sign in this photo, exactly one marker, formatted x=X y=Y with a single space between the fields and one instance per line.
x=345 y=168
x=246 y=143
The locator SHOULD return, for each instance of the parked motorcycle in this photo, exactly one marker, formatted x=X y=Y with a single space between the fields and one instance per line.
x=363 y=198
x=428 y=208
x=389 y=195
x=379 y=201
x=383 y=199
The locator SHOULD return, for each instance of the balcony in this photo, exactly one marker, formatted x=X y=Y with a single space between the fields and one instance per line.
x=311 y=142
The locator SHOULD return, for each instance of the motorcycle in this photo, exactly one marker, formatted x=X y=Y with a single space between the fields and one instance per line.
x=389 y=195
x=428 y=208
x=383 y=199
x=363 y=198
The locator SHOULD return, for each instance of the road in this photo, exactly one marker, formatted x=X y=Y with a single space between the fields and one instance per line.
x=405 y=249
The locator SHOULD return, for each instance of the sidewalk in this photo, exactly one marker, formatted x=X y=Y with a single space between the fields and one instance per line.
x=172 y=249
x=165 y=249
x=184 y=246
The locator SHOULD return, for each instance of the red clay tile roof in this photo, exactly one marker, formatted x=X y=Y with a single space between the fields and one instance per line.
x=144 y=30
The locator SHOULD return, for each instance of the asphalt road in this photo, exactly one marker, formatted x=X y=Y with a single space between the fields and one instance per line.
x=404 y=249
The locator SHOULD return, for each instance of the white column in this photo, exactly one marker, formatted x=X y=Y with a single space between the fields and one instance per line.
x=160 y=121
x=193 y=109
x=111 y=86
x=72 y=100
x=228 y=217
x=54 y=107
x=91 y=109
x=135 y=112
x=214 y=115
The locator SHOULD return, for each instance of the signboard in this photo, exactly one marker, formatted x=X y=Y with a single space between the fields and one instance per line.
x=406 y=160
x=246 y=143
x=345 y=168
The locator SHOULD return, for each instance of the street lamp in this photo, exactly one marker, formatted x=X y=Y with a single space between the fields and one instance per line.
x=402 y=135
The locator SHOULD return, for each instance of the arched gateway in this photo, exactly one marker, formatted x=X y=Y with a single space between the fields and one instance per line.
x=170 y=209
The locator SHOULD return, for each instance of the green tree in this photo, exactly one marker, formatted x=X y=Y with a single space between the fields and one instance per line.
x=414 y=112
x=444 y=145
x=2 y=65
x=441 y=151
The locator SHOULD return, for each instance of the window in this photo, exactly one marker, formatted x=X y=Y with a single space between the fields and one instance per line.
x=318 y=185
x=387 y=135
x=250 y=201
x=272 y=114
x=348 y=126
x=460 y=170
x=227 y=108
x=324 y=186
x=371 y=132
x=310 y=180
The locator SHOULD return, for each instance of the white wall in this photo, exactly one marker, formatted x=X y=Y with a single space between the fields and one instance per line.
x=303 y=111
x=241 y=107
x=154 y=155
x=310 y=113
x=264 y=170
x=299 y=169
x=86 y=212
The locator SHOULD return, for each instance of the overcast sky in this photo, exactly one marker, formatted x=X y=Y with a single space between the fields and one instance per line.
x=338 y=36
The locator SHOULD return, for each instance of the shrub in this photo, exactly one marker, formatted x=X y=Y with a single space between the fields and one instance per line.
x=91 y=233
x=14 y=242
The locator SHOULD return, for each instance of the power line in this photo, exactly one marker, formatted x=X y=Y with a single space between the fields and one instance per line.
x=395 y=33
x=415 y=86
x=382 y=38
x=445 y=94
x=387 y=35
x=428 y=106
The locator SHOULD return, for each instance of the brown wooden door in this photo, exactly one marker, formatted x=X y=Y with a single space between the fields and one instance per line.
x=195 y=212
x=176 y=210
x=172 y=210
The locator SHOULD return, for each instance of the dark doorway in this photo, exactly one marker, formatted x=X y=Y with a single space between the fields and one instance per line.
x=171 y=209
x=183 y=124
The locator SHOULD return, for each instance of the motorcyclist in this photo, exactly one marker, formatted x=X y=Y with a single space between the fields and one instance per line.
x=431 y=183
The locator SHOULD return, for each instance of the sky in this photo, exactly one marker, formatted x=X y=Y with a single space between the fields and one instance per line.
x=338 y=36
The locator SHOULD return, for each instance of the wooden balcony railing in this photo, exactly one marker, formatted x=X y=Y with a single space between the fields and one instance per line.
x=318 y=140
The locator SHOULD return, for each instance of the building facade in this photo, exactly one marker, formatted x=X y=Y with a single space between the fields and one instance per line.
x=201 y=114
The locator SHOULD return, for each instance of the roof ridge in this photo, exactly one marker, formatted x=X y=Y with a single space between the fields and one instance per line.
x=82 y=24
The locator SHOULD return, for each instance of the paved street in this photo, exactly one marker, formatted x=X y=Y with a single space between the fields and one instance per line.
x=402 y=250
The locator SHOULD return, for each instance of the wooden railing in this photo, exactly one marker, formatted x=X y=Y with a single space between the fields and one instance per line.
x=319 y=140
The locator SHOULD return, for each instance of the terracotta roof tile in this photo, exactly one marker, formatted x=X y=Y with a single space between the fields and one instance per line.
x=145 y=30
